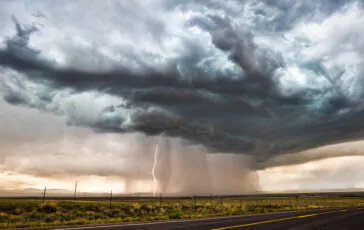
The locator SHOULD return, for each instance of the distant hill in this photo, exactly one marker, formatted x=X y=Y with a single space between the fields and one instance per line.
x=30 y=192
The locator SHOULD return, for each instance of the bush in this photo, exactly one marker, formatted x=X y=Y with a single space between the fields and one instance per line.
x=3 y=217
x=175 y=215
x=128 y=219
x=18 y=211
x=50 y=218
x=47 y=208
x=33 y=215
x=92 y=207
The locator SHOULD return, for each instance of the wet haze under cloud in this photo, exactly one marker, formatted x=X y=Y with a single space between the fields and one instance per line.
x=93 y=93
x=49 y=152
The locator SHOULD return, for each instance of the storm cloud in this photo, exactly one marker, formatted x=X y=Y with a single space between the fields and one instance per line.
x=242 y=77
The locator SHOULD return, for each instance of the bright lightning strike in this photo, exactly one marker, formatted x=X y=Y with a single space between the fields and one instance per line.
x=153 y=170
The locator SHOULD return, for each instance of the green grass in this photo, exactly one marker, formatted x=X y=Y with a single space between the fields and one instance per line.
x=20 y=213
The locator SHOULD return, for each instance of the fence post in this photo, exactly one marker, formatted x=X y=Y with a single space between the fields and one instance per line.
x=44 y=194
x=74 y=196
x=110 y=198
x=160 y=199
x=195 y=205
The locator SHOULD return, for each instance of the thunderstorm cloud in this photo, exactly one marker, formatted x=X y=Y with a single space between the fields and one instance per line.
x=259 y=78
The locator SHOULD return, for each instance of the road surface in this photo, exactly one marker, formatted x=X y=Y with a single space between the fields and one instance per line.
x=323 y=219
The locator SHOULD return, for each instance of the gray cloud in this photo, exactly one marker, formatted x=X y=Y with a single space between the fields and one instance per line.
x=223 y=91
x=330 y=151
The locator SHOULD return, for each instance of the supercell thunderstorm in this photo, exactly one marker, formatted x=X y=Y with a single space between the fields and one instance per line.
x=258 y=78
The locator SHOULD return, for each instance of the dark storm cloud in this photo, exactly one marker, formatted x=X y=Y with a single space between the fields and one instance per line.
x=247 y=114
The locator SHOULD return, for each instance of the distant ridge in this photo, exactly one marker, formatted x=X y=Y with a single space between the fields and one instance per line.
x=31 y=192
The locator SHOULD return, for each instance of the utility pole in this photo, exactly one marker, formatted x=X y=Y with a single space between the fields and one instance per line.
x=44 y=194
x=74 y=196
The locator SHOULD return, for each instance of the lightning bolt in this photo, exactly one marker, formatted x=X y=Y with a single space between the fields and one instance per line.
x=153 y=170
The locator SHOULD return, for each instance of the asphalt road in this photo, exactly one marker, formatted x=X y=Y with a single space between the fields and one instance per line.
x=324 y=219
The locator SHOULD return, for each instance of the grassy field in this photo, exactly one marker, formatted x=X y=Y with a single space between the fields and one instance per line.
x=27 y=212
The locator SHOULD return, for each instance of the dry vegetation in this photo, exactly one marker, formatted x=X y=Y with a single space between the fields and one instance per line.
x=19 y=213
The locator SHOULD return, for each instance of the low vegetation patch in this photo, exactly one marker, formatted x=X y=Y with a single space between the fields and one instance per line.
x=20 y=213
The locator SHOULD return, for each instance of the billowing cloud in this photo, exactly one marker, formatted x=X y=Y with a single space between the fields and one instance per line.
x=239 y=77
x=254 y=80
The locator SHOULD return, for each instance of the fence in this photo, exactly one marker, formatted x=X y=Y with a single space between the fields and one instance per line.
x=304 y=201
x=77 y=209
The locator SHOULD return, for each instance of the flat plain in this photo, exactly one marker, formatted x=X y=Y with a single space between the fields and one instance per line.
x=33 y=212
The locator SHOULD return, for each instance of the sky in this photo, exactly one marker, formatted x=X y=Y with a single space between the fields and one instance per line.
x=199 y=96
